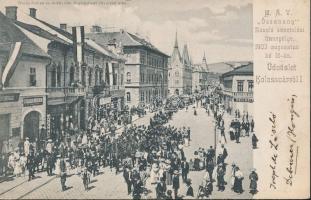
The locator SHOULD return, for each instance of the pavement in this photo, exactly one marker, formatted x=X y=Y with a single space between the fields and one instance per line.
x=108 y=185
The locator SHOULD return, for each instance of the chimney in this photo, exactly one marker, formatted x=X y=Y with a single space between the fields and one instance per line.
x=32 y=12
x=63 y=27
x=11 y=12
x=96 y=29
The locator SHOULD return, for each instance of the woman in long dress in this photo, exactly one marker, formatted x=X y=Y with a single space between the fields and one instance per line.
x=18 y=168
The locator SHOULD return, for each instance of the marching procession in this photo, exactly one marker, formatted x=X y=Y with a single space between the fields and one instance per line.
x=152 y=153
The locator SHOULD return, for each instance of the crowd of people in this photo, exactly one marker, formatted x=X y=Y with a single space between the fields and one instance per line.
x=153 y=152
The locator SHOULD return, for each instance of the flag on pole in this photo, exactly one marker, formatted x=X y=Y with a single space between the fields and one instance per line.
x=78 y=44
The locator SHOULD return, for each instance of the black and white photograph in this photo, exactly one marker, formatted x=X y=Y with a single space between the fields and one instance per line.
x=128 y=99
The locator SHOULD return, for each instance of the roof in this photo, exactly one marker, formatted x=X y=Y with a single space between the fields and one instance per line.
x=125 y=38
x=241 y=70
x=10 y=34
x=49 y=32
x=185 y=55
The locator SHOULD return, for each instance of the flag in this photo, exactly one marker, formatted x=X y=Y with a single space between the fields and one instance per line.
x=78 y=44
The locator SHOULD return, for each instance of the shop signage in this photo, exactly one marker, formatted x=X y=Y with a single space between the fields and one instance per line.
x=9 y=97
x=103 y=101
x=48 y=126
x=34 y=101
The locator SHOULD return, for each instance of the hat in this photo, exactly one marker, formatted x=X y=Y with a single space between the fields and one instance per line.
x=233 y=164
x=220 y=164
x=27 y=138
x=50 y=140
x=188 y=181
x=58 y=156
x=253 y=169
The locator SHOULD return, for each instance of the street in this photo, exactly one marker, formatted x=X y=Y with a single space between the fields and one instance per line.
x=110 y=186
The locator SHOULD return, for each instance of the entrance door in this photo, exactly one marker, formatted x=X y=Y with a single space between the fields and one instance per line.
x=31 y=125
x=5 y=129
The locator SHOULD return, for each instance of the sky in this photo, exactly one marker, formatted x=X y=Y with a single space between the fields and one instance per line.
x=220 y=28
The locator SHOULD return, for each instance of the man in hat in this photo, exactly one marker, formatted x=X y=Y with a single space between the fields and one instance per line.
x=176 y=184
x=189 y=188
x=253 y=181
x=184 y=169
x=30 y=165
x=50 y=164
x=127 y=175
x=63 y=173
x=254 y=141
x=220 y=177
x=161 y=189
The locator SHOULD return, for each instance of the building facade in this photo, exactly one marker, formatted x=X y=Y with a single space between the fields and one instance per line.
x=238 y=86
x=180 y=71
x=75 y=90
x=200 y=74
x=145 y=72
x=22 y=85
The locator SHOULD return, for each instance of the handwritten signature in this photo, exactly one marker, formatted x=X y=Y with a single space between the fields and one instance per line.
x=291 y=135
x=273 y=145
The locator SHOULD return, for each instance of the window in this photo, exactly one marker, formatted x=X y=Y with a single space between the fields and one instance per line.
x=32 y=77
x=114 y=75
x=59 y=73
x=107 y=74
x=128 y=97
x=53 y=76
x=142 y=96
x=142 y=57
x=177 y=74
x=240 y=86
x=250 y=86
x=96 y=76
x=90 y=76
x=122 y=79
x=128 y=77
x=176 y=81
x=83 y=76
x=101 y=76
x=71 y=74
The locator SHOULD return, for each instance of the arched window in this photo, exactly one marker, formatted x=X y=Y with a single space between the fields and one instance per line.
x=128 y=97
x=53 y=76
x=59 y=75
x=101 y=73
x=72 y=74
x=128 y=77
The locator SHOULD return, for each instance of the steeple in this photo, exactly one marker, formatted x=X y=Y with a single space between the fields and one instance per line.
x=176 y=41
x=204 y=58
x=204 y=63
x=176 y=53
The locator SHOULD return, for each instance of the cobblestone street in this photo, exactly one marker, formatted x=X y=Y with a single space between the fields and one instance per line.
x=109 y=185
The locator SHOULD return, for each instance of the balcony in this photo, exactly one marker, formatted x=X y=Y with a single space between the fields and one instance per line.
x=101 y=89
x=74 y=91
x=55 y=92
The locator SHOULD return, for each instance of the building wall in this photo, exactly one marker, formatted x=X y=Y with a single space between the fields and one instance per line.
x=148 y=72
x=20 y=84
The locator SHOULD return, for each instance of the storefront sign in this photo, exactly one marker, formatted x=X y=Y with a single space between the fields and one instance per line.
x=48 y=122
x=9 y=97
x=34 y=101
x=103 y=101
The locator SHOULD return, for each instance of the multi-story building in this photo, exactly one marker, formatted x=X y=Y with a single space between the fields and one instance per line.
x=238 y=87
x=76 y=89
x=200 y=76
x=145 y=67
x=180 y=71
x=22 y=84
